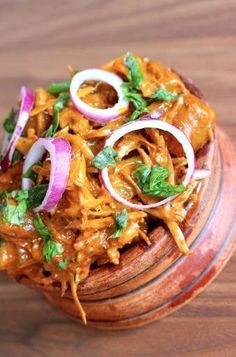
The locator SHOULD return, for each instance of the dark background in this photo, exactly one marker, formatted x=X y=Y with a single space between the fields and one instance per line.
x=197 y=38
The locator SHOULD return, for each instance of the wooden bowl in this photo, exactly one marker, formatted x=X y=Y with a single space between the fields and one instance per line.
x=152 y=282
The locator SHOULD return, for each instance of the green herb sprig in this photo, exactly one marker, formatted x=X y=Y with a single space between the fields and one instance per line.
x=164 y=95
x=139 y=103
x=9 y=123
x=135 y=74
x=60 y=104
x=31 y=174
x=17 y=155
x=131 y=88
x=14 y=213
x=120 y=223
x=56 y=88
x=63 y=264
x=107 y=157
x=50 y=249
x=152 y=181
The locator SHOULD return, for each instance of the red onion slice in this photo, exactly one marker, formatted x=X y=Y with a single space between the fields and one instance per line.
x=60 y=154
x=27 y=102
x=201 y=174
x=96 y=114
x=138 y=125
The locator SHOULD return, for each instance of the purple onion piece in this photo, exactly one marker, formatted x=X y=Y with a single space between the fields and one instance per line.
x=27 y=101
x=60 y=154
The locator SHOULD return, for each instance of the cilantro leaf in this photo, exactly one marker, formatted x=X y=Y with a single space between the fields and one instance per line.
x=163 y=94
x=9 y=123
x=19 y=195
x=60 y=104
x=51 y=249
x=139 y=103
x=36 y=195
x=14 y=213
x=41 y=228
x=135 y=74
x=136 y=99
x=141 y=174
x=17 y=155
x=55 y=88
x=63 y=264
x=137 y=113
x=130 y=89
x=120 y=223
x=1 y=241
x=106 y=157
x=30 y=173
x=151 y=181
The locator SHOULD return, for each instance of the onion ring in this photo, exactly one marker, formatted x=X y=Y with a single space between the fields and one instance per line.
x=142 y=124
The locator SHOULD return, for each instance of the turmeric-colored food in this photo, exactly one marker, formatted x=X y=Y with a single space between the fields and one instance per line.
x=88 y=225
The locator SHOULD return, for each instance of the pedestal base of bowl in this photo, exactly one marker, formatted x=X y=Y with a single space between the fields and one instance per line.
x=153 y=282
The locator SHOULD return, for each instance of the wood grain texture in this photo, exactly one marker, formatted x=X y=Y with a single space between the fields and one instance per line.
x=198 y=39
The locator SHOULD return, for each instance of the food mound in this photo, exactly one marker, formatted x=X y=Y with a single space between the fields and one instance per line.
x=92 y=164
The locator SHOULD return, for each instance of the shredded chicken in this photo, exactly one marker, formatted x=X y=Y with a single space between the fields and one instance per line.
x=83 y=222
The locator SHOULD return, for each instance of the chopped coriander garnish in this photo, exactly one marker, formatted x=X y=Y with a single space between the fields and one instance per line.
x=9 y=123
x=31 y=174
x=60 y=104
x=50 y=248
x=14 y=213
x=139 y=103
x=131 y=88
x=106 y=157
x=17 y=155
x=55 y=88
x=151 y=181
x=135 y=74
x=19 y=195
x=41 y=228
x=36 y=195
x=63 y=264
x=120 y=223
x=163 y=94
x=1 y=241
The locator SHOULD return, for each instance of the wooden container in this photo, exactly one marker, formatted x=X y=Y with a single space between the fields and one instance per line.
x=152 y=282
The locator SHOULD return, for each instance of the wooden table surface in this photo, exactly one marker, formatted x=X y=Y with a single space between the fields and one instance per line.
x=197 y=38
